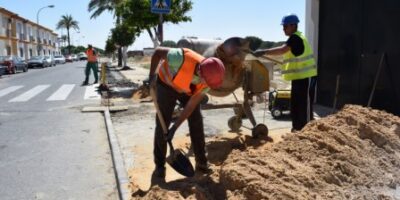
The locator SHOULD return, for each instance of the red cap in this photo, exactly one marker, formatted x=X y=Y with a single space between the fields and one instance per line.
x=212 y=70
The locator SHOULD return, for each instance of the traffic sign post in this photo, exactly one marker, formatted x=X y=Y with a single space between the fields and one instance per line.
x=160 y=7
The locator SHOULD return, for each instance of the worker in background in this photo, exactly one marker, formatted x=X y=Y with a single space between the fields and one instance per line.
x=300 y=68
x=186 y=76
x=91 y=65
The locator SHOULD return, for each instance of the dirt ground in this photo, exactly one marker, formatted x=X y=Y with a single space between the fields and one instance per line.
x=353 y=154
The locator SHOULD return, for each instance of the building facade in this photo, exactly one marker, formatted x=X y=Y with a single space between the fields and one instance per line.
x=24 y=38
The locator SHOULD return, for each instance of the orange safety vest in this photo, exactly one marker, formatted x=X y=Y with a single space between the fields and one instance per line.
x=182 y=81
x=91 y=57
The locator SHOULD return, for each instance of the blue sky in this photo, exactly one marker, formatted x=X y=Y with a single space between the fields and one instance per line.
x=210 y=19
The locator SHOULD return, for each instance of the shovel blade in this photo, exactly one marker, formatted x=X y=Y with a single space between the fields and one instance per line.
x=180 y=163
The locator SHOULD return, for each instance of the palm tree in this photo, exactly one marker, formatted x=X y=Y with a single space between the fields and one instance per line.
x=97 y=7
x=68 y=22
x=63 y=39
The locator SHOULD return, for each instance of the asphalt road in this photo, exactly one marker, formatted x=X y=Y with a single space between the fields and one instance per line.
x=49 y=149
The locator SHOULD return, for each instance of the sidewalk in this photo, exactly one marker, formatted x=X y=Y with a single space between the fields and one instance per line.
x=135 y=128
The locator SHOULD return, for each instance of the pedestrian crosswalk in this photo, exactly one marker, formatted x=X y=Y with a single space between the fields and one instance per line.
x=22 y=93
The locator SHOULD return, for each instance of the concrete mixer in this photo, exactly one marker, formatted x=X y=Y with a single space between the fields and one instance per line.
x=253 y=77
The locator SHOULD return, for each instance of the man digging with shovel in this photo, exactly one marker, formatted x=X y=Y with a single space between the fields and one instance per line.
x=186 y=76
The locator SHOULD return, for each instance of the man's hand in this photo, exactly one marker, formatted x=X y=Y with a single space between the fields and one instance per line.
x=259 y=52
x=171 y=133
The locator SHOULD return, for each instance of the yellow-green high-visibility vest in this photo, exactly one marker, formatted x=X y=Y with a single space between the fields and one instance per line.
x=299 y=67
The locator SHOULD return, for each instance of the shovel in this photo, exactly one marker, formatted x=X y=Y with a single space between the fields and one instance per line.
x=176 y=159
x=265 y=57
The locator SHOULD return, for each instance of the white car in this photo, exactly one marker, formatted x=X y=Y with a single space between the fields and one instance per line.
x=75 y=57
x=82 y=56
x=59 y=59
x=50 y=59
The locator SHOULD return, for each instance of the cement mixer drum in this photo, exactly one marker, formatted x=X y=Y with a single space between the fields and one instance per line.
x=232 y=54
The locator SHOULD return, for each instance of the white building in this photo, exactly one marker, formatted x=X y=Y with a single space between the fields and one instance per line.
x=24 y=38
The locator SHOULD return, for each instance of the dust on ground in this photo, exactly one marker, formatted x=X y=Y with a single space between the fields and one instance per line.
x=354 y=154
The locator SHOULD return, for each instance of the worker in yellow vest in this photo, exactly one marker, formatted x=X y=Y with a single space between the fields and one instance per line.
x=300 y=68
x=186 y=76
x=91 y=65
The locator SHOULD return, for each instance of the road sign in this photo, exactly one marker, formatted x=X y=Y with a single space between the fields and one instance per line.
x=160 y=6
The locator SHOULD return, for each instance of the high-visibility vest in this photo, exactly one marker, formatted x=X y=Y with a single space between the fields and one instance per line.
x=299 y=67
x=182 y=82
x=91 y=57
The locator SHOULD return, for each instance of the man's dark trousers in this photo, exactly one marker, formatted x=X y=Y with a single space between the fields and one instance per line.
x=301 y=102
x=166 y=98
x=95 y=68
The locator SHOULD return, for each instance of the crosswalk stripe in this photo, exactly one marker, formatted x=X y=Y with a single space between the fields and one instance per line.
x=30 y=93
x=62 y=93
x=91 y=92
x=9 y=90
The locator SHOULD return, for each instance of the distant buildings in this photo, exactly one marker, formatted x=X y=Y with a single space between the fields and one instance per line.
x=24 y=38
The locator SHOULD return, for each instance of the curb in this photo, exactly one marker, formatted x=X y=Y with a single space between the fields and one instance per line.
x=118 y=162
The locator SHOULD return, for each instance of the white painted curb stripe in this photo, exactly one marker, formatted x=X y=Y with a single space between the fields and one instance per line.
x=30 y=93
x=62 y=93
x=91 y=92
x=8 y=90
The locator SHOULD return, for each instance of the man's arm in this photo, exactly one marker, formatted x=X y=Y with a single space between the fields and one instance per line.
x=273 y=51
x=159 y=54
x=193 y=102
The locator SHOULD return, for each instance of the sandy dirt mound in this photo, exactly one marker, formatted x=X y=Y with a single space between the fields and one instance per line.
x=354 y=154
x=141 y=94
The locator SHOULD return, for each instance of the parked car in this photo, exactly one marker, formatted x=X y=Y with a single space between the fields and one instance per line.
x=68 y=58
x=38 y=61
x=75 y=57
x=12 y=64
x=82 y=56
x=59 y=59
x=50 y=60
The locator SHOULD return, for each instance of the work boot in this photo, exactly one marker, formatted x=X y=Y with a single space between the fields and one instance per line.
x=203 y=168
x=159 y=172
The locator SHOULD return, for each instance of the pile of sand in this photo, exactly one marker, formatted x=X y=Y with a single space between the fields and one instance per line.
x=354 y=154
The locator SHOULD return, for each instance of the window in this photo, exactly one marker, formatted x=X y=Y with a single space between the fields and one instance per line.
x=21 y=52
x=8 y=48
x=30 y=53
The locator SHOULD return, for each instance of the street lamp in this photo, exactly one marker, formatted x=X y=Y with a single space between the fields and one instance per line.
x=37 y=22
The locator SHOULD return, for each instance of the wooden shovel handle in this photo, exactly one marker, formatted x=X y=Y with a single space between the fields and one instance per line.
x=159 y=114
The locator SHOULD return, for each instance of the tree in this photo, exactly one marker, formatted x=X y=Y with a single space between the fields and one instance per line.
x=67 y=22
x=136 y=13
x=110 y=46
x=63 y=39
x=255 y=42
x=124 y=35
x=97 y=7
x=168 y=43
